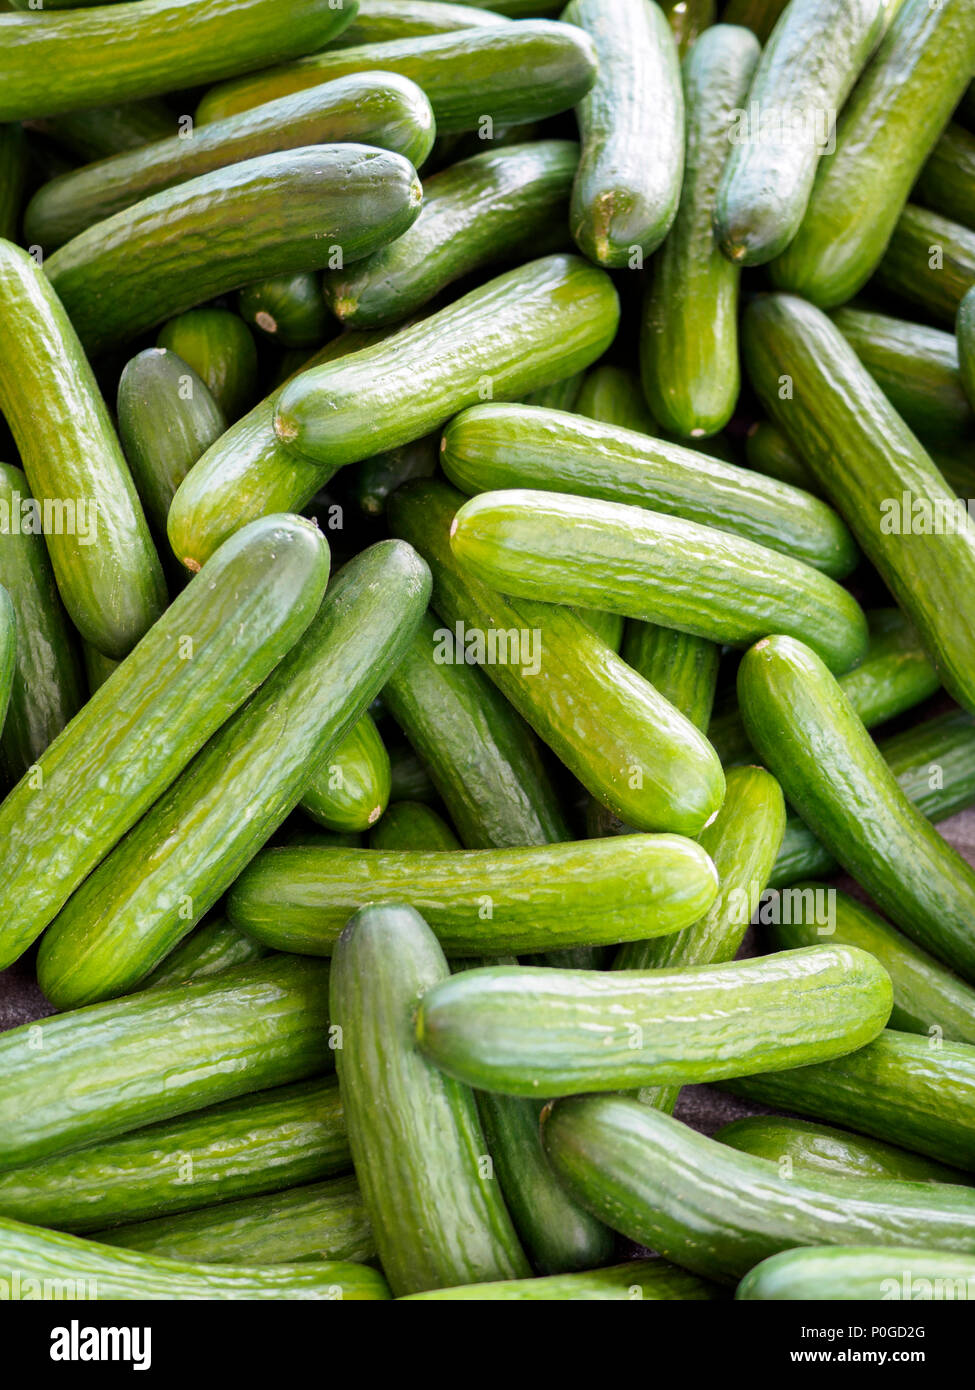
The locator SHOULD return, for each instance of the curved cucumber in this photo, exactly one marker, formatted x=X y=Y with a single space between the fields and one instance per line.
x=850 y=1274
x=637 y=1279
x=929 y=261
x=288 y=309
x=211 y=949
x=683 y=668
x=349 y=791
x=613 y=396
x=219 y=347
x=13 y=168
x=412 y=825
x=813 y=1148
x=947 y=182
x=381 y=21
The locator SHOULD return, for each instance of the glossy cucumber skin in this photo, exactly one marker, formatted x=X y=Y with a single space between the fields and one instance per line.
x=683 y=668
x=131 y=272
x=185 y=853
x=947 y=182
x=637 y=1279
x=859 y=1273
x=631 y=125
x=13 y=166
x=613 y=396
x=627 y=745
x=107 y=130
x=350 y=789
x=800 y=721
x=288 y=309
x=211 y=949
x=495 y=206
x=147 y=47
x=415 y=1134
x=689 y=328
x=720 y=1212
x=965 y=333
x=883 y=137
x=929 y=261
x=107 y=572
x=369 y=109
x=865 y=456
x=542 y=321
x=47 y=686
x=219 y=347
x=816 y=1148
x=412 y=825
x=151 y=716
x=807 y=69
x=381 y=21
x=496 y=446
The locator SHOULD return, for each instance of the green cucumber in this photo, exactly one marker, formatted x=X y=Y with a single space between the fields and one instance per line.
x=868 y=461
x=806 y=72
x=761 y=16
x=8 y=652
x=381 y=21
x=47 y=685
x=287 y=308
x=438 y=1216
x=768 y=451
x=106 y=568
x=374 y=480
x=929 y=261
x=637 y=1279
x=813 y=1148
x=883 y=138
x=965 y=333
x=412 y=825
x=211 y=949
x=497 y=206
x=608 y=627
x=613 y=396
x=631 y=126
x=13 y=168
x=147 y=47
x=500 y=446
x=107 y=130
x=98 y=667
x=349 y=791
x=684 y=669
x=182 y=856
x=854 y=1273
x=211 y=648
x=947 y=182
x=219 y=347
x=130 y=272
x=409 y=779
x=561 y=395
x=718 y=1212
x=688 y=19
x=689 y=328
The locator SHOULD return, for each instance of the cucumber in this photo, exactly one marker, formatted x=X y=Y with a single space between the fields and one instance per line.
x=929 y=261
x=853 y=1273
x=684 y=669
x=613 y=396
x=806 y=72
x=47 y=685
x=146 y=47
x=13 y=168
x=219 y=347
x=350 y=789
x=287 y=308
x=412 y=825
x=181 y=857
x=947 y=182
x=439 y=1219
x=608 y=627
x=626 y=744
x=965 y=331
x=768 y=451
x=104 y=563
x=688 y=19
x=8 y=652
x=211 y=949
x=130 y=272
x=637 y=1279
x=561 y=395
x=409 y=779
x=689 y=326
x=883 y=138
x=500 y=446
x=98 y=667
x=107 y=130
x=381 y=21
x=761 y=16
x=497 y=206
x=718 y=1212
x=816 y=1148
x=631 y=126
x=159 y=707
x=167 y=419
x=375 y=479
x=867 y=460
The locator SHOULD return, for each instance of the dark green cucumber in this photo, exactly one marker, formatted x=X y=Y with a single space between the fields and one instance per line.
x=409 y=779
x=13 y=168
x=369 y=109
x=47 y=685
x=412 y=825
x=98 y=667
x=106 y=130
x=718 y=1212
x=182 y=856
x=419 y=1150
x=147 y=47
x=130 y=272
x=683 y=668
x=381 y=21
x=631 y=126
x=613 y=396
x=761 y=16
x=106 y=568
x=498 y=206
x=167 y=419
x=688 y=20
x=287 y=308
x=883 y=138
x=689 y=330
x=855 y=1273
x=350 y=789
x=768 y=451
x=219 y=347
x=868 y=461
x=561 y=395
x=627 y=745
x=637 y=1279
x=211 y=949
x=965 y=333
x=8 y=652
x=211 y=648
x=374 y=480
x=929 y=261
x=501 y=446
x=947 y=182
x=806 y=72
x=813 y=1148
x=510 y=73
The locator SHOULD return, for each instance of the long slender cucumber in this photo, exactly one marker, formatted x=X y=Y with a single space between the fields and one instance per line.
x=102 y=131
x=856 y=1273
x=813 y=1148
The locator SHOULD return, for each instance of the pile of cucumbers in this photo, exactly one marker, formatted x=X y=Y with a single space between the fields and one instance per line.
x=483 y=522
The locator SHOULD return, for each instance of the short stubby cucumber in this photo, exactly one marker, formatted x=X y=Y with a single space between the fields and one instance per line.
x=819 y=1149
x=350 y=789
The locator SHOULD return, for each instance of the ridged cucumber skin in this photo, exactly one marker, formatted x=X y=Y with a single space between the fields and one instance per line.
x=415 y=1134
x=965 y=334
x=483 y=759
x=807 y=732
x=883 y=138
x=325 y=1221
x=947 y=182
x=851 y=1274
x=383 y=110
x=496 y=206
x=8 y=652
x=167 y=419
x=689 y=326
x=186 y=852
x=546 y=319
x=930 y=262
x=131 y=272
x=497 y=446
x=683 y=668
x=381 y=21
x=806 y=71
x=412 y=825
x=514 y=72
x=769 y=452
x=108 y=573
x=631 y=127
x=561 y=395
x=629 y=747
x=613 y=396
x=211 y=949
x=47 y=685
x=40 y=1257
x=637 y=1279
x=157 y=709
x=219 y=347
x=350 y=789
x=813 y=1148
x=288 y=309
x=107 y=130
x=148 y=47
x=13 y=168
x=865 y=456
x=557 y=547
x=719 y=1212
x=259 y=1143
